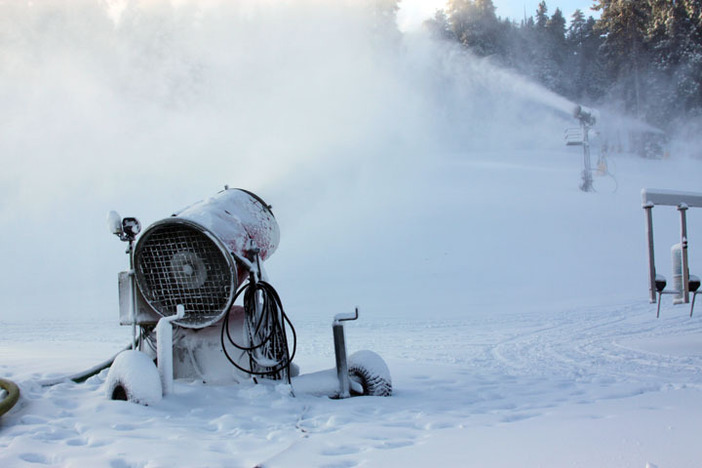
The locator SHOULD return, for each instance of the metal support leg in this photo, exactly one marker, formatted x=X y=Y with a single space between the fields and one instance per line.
x=682 y=208
x=587 y=167
x=651 y=258
x=342 y=369
x=164 y=348
x=694 y=295
x=658 y=312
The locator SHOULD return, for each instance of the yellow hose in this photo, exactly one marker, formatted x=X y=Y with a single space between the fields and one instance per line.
x=11 y=398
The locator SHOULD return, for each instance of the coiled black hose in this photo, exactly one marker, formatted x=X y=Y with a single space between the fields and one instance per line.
x=266 y=335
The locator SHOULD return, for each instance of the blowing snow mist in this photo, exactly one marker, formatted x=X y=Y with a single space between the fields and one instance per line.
x=324 y=108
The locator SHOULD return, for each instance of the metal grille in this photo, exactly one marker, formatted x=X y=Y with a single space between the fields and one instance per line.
x=178 y=264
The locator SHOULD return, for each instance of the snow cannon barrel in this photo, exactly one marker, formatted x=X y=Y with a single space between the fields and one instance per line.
x=194 y=258
x=585 y=115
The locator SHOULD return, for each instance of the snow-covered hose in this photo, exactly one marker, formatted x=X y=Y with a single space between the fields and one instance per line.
x=86 y=374
x=11 y=398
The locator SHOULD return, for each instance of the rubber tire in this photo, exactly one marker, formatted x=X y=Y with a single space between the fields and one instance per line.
x=134 y=377
x=12 y=396
x=369 y=369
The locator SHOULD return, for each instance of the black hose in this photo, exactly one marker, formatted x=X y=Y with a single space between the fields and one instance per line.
x=271 y=323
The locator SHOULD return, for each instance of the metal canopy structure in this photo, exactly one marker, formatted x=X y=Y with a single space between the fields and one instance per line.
x=684 y=283
x=671 y=198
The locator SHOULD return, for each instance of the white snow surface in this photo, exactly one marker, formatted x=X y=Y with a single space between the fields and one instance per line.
x=603 y=386
x=426 y=187
x=137 y=375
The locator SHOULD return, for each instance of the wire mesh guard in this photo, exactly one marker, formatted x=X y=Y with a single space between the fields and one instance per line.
x=177 y=263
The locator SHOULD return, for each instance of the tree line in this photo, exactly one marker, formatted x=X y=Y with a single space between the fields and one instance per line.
x=644 y=57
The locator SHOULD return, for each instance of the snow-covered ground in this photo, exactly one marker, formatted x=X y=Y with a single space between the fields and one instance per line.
x=603 y=386
x=430 y=189
x=524 y=380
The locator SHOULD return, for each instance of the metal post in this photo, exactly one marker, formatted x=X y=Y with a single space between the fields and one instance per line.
x=342 y=369
x=648 y=208
x=587 y=171
x=164 y=348
x=682 y=208
x=132 y=276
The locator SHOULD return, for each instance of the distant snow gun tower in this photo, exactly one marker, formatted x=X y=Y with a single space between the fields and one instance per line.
x=581 y=137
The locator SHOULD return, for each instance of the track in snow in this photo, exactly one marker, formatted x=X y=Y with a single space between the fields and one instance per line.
x=448 y=375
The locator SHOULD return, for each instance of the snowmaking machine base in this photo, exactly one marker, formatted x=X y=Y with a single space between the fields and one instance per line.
x=186 y=272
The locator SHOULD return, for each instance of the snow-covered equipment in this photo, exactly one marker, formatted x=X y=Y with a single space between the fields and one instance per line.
x=684 y=283
x=585 y=115
x=581 y=137
x=186 y=273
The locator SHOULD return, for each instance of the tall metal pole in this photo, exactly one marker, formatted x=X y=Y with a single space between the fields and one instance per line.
x=683 y=244
x=651 y=260
x=587 y=171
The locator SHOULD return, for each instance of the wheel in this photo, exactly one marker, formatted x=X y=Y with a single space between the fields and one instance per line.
x=370 y=371
x=134 y=377
x=8 y=396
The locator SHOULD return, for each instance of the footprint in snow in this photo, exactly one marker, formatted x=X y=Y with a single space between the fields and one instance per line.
x=343 y=450
x=395 y=444
x=77 y=442
x=29 y=420
x=34 y=458
x=120 y=463
x=123 y=427
x=98 y=443
x=518 y=417
x=341 y=464
x=65 y=404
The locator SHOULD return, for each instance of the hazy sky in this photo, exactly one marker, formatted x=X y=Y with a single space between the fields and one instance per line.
x=415 y=11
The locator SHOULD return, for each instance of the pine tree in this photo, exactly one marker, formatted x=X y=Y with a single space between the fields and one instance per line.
x=556 y=48
x=385 y=17
x=576 y=30
x=643 y=55
x=623 y=25
x=541 y=16
x=595 y=82
x=548 y=38
x=439 y=26
x=583 y=65
x=459 y=12
x=476 y=26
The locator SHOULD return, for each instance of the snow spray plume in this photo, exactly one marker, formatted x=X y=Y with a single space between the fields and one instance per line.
x=163 y=88
x=153 y=105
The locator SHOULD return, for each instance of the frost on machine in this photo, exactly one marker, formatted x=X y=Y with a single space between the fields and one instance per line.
x=187 y=274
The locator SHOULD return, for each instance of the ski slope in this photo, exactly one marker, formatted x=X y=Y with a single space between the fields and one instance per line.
x=428 y=188
x=602 y=386
x=532 y=379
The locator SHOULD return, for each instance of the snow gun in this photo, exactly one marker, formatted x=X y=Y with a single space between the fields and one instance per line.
x=586 y=116
x=187 y=274
x=581 y=137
